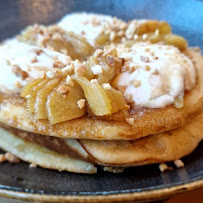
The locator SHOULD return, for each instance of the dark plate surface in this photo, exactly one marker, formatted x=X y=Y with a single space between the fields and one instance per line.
x=186 y=18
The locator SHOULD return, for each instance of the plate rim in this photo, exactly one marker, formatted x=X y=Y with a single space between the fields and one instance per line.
x=142 y=196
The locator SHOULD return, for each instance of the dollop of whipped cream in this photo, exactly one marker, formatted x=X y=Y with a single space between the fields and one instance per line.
x=90 y=25
x=34 y=61
x=154 y=75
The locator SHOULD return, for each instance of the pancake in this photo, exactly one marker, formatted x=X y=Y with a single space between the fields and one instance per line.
x=158 y=148
x=42 y=156
x=13 y=112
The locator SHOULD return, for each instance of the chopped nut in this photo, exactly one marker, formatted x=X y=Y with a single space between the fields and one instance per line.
x=69 y=69
x=11 y=158
x=125 y=68
x=135 y=37
x=179 y=163
x=83 y=32
x=98 y=53
x=130 y=120
x=106 y=86
x=39 y=51
x=32 y=165
x=108 y=50
x=136 y=83
x=69 y=81
x=58 y=64
x=163 y=167
x=144 y=36
x=81 y=103
x=28 y=96
x=156 y=33
x=34 y=59
x=19 y=72
x=156 y=72
x=50 y=74
x=144 y=59
x=2 y=158
x=63 y=90
x=94 y=81
x=18 y=84
x=112 y=36
x=131 y=69
x=110 y=60
x=96 y=69
x=147 y=68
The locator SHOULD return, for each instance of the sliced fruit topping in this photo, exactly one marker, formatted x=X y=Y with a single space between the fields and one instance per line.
x=62 y=103
x=41 y=99
x=96 y=97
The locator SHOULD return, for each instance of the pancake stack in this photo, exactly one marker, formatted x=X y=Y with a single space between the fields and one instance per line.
x=100 y=92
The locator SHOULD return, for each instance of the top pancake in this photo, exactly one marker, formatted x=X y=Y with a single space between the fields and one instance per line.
x=147 y=121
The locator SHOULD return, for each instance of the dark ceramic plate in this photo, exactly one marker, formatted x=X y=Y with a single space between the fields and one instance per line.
x=141 y=183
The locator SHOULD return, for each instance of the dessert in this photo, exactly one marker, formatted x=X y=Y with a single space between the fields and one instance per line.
x=102 y=92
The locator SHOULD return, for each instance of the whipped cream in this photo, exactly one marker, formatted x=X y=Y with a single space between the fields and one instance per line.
x=89 y=25
x=155 y=75
x=33 y=60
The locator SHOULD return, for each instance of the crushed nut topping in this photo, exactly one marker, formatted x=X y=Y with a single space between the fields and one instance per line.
x=163 y=167
x=81 y=103
x=130 y=120
x=94 y=81
x=18 y=84
x=144 y=36
x=32 y=165
x=144 y=59
x=156 y=33
x=63 y=90
x=106 y=86
x=179 y=163
x=2 y=158
x=19 y=72
x=34 y=60
x=50 y=74
x=110 y=60
x=96 y=69
x=136 y=83
x=11 y=158
x=69 y=81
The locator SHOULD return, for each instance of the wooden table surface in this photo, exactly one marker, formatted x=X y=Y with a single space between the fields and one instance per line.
x=189 y=197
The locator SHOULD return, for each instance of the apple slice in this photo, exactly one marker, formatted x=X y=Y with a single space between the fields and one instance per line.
x=63 y=106
x=41 y=99
x=96 y=97
x=33 y=94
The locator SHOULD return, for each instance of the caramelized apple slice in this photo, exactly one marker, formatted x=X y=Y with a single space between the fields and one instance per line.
x=26 y=89
x=33 y=94
x=96 y=97
x=117 y=100
x=63 y=106
x=41 y=99
x=176 y=40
